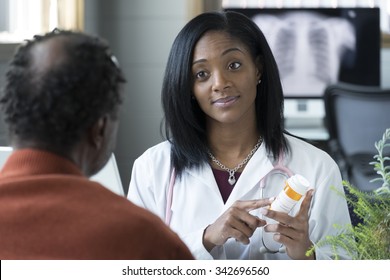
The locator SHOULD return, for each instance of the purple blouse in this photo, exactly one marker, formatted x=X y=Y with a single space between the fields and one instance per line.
x=221 y=177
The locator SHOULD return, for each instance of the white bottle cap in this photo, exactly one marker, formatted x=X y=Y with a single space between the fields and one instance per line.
x=298 y=183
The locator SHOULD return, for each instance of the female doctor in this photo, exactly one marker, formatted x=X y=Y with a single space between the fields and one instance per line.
x=227 y=154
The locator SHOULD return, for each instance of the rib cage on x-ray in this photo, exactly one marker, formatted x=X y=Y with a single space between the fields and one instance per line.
x=308 y=49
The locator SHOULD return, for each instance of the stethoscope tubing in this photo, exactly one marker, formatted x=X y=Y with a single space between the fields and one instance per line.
x=278 y=167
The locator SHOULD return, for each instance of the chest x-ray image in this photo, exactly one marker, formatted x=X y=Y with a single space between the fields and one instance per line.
x=308 y=48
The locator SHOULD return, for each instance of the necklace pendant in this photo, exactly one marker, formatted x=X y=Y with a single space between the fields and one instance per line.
x=232 y=180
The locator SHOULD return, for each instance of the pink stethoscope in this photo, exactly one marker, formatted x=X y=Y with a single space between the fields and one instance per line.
x=279 y=168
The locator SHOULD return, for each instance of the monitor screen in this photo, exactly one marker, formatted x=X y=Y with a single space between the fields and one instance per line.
x=315 y=47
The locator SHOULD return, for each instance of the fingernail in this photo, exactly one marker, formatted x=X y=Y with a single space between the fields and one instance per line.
x=263 y=211
x=271 y=199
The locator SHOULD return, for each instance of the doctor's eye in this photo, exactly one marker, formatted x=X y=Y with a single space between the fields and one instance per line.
x=234 y=65
x=201 y=75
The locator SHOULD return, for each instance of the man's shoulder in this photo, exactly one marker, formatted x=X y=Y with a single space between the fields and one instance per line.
x=149 y=233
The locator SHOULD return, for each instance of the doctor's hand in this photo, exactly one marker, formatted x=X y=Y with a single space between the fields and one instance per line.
x=235 y=222
x=292 y=232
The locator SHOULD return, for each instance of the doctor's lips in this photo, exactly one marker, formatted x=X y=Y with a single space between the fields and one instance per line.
x=226 y=101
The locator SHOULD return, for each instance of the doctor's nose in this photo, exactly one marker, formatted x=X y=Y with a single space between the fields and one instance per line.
x=220 y=82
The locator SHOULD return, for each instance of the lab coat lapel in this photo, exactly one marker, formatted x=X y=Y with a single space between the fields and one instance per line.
x=257 y=167
x=205 y=175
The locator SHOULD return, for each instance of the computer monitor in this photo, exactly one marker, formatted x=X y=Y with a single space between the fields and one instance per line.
x=4 y=154
x=315 y=47
x=108 y=176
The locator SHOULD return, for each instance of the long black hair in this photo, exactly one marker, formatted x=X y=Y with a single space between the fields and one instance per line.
x=185 y=125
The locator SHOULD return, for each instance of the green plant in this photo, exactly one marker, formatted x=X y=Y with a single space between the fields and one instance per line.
x=380 y=164
x=370 y=239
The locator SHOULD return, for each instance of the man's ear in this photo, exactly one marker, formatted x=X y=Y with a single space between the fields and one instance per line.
x=97 y=132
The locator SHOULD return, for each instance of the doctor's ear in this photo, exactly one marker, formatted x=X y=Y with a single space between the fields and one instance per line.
x=259 y=61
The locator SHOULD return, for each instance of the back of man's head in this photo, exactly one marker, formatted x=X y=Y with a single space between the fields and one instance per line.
x=57 y=86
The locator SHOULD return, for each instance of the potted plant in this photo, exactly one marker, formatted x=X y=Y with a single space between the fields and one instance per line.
x=369 y=239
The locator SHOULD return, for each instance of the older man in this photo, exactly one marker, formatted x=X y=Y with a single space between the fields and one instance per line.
x=61 y=105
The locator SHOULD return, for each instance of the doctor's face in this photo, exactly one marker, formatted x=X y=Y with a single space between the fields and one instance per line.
x=225 y=79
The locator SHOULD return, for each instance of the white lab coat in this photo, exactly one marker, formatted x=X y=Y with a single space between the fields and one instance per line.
x=197 y=201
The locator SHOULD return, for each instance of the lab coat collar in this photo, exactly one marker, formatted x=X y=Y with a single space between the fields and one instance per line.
x=205 y=175
x=257 y=167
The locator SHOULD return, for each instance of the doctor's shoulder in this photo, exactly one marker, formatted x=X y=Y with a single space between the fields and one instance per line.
x=159 y=153
x=305 y=150
x=155 y=160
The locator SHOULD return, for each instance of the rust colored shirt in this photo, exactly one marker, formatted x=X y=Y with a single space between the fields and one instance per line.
x=49 y=210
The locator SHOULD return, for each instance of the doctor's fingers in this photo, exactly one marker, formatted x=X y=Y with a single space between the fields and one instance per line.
x=283 y=218
x=239 y=231
x=301 y=220
x=296 y=231
x=295 y=248
x=305 y=206
x=280 y=217
x=249 y=205
x=235 y=213
x=293 y=231
x=229 y=226
x=296 y=240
